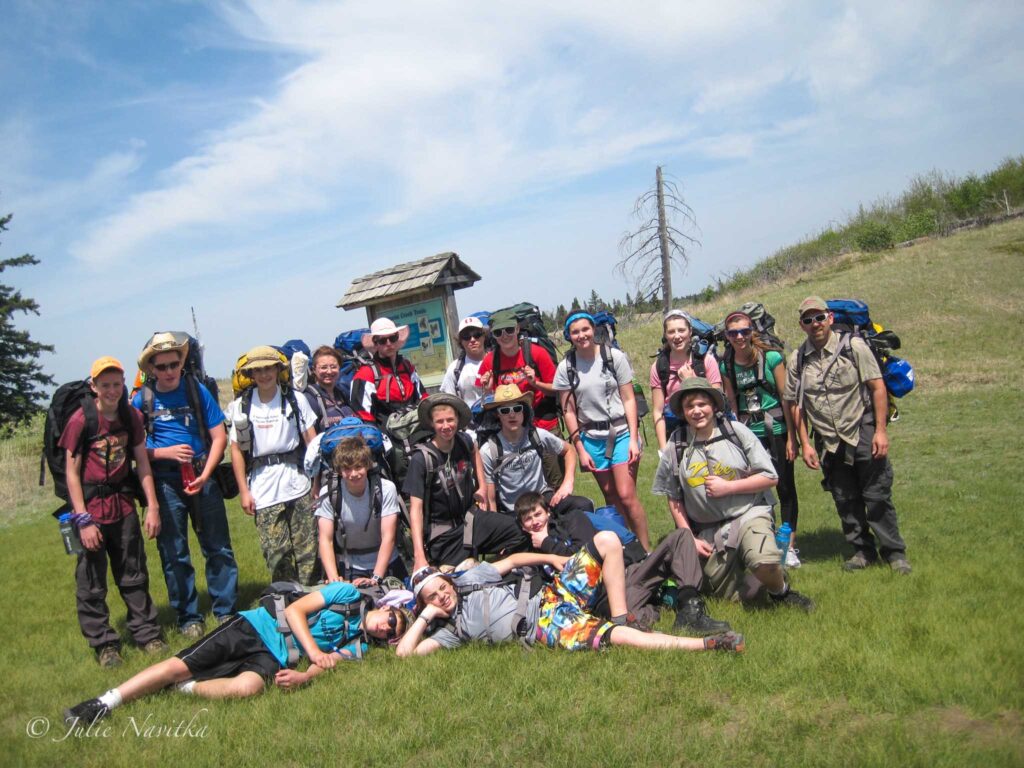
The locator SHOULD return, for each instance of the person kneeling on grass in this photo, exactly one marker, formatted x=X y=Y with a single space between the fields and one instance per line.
x=718 y=480
x=240 y=656
x=481 y=605
x=674 y=558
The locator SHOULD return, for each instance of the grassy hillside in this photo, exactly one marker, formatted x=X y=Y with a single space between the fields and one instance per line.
x=923 y=670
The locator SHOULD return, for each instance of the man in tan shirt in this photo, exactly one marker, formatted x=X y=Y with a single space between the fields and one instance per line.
x=834 y=381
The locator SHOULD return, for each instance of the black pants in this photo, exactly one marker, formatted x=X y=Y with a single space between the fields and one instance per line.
x=862 y=489
x=494 y=533
x=124 y=548
x=789 y=506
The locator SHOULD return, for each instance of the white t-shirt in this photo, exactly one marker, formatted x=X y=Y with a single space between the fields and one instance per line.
x=466 y=387
x=274 y=432
x=362 y=529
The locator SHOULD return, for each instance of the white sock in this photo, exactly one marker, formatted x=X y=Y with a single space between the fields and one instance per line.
x=187 y=687
x=111 y=698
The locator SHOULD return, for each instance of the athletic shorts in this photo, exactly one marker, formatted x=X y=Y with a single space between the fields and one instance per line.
x=596 y=446
x=565 y=621
x=230 y=649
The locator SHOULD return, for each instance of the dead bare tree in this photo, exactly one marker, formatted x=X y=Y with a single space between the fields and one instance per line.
x=661 y=240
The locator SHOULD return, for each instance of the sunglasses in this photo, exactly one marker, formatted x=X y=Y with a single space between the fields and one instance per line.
x=471 y=335
x=735 y=333
x=821 y=317
x=167 y=366
x=504 y=332
x=392 y=625
x=392 y=339
x=505 y=410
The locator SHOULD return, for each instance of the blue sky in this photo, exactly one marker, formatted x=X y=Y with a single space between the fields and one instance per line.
x=250 y=158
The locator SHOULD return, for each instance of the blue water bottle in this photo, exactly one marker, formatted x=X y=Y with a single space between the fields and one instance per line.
x=782 y=538
x=68 y=532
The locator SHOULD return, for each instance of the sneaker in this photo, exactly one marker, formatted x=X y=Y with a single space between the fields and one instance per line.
x=692 y=619
x=901 y=565
x=193 y=631
x=858 y=562
x=109 y=656
x=792 y=561
x=727 y=641
x=793 y=599
x=156 y=647
x=86 y=713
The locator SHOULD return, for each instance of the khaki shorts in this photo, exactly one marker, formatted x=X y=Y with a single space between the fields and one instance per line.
x=725 y=571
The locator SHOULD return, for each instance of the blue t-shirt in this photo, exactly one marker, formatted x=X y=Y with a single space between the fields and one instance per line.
x=173 y=421
x=330 y=630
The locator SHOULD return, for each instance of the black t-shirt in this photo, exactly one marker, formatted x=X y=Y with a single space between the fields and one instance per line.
x=452 y=483
x=571 y=531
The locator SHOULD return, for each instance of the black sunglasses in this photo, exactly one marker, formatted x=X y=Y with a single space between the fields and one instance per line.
x=168 y=366
x=393 y=338
x=504 y=332
x=471 y=335
x=392 y=624
x=821 y=317
x=737 y=332
x=505 y=410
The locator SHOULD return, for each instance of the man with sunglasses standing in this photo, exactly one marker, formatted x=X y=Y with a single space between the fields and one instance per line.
x=388 y=384
x=460 y=378
x=179 y=413
x=834 y=381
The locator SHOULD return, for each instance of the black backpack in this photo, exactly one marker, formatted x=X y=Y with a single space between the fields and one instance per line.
x=66 y=400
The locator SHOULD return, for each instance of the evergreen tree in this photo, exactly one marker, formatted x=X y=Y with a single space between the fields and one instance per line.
x=20 y=374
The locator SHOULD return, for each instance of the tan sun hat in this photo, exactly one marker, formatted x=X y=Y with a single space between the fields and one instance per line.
x=508 y=394
x=163 y=341
x=695 y=384
x=262 y=356
x=384 y=326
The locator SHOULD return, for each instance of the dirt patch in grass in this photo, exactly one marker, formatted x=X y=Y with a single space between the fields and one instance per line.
x=1005 y=729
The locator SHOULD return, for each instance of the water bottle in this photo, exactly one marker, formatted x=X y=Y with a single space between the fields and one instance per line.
x=782 y=538
x=669 y=593
x=243 y=432
x=69 y=533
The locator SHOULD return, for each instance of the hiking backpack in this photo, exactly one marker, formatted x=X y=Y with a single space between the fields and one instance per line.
x=192 y=365
x=66 y=400
x=294 y=456
x=851 y=317
x=353 y=356
x=704 y=338
x=552 y=476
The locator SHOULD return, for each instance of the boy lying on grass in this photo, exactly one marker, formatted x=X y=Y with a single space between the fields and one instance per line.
x=247 y=651
x=481 y=604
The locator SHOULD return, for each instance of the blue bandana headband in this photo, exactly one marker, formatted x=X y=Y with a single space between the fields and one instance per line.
x=573 y=318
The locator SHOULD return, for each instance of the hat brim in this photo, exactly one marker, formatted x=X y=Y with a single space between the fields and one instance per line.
x=401 y=330
x=156 y=349
x=261 y=363
x=442 y=398
x=676 y=399
x=526 y=398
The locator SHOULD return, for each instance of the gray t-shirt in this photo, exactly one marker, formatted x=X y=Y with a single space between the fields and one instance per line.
x=719 y=456
x=597 y=394
x=362 y=529
x=520 y=469
x=470 y=616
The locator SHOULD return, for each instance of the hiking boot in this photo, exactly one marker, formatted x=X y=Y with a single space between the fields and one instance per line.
x=901 y=565
x=156 y=647
x=692 y=618
x=793 y=599
x=858 y=562
x=792 y=561
x=727 y=641
x=109 y=656
x=193 y=631
x=86 y=713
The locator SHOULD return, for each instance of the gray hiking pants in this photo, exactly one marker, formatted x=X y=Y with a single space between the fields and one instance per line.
x=861 y=487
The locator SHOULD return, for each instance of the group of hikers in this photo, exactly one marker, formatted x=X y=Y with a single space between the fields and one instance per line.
x=464 y=500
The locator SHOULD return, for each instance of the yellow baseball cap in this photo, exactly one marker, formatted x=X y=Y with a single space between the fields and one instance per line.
x=106 y=363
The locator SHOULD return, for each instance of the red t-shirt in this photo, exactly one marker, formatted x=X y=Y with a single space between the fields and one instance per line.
x=510 y=371
x=106 y=461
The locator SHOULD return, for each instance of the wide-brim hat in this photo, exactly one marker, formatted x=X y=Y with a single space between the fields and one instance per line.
x=384 y=326
x=508 y=394
x=163 y=341
x=442 y=398
x=261 y=357
x=695 y=384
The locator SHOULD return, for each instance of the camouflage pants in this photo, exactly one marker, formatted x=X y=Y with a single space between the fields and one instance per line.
x=288 y=539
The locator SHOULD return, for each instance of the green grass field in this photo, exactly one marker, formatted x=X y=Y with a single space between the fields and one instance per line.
x=922 y=670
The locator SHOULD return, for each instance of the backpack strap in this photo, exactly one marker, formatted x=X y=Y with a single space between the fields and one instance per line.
x=663 y=367
x=195 y=402
x=458 y=372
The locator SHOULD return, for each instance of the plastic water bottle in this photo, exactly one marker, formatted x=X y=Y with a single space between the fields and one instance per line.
x=243 y=432
x=68 y=532
x=782 y=538
x=669 y=593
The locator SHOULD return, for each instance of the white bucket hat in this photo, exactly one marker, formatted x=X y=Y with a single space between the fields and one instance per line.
x=384 y=326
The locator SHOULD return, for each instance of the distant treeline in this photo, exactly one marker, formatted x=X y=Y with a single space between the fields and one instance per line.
x=933 y=204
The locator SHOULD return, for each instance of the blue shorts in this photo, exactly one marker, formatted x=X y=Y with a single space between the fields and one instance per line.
x=596 y=447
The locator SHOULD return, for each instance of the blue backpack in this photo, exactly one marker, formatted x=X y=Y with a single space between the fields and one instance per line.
x=351 y=426
x=353 y=356
x=292 y=346
x=609 y=519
